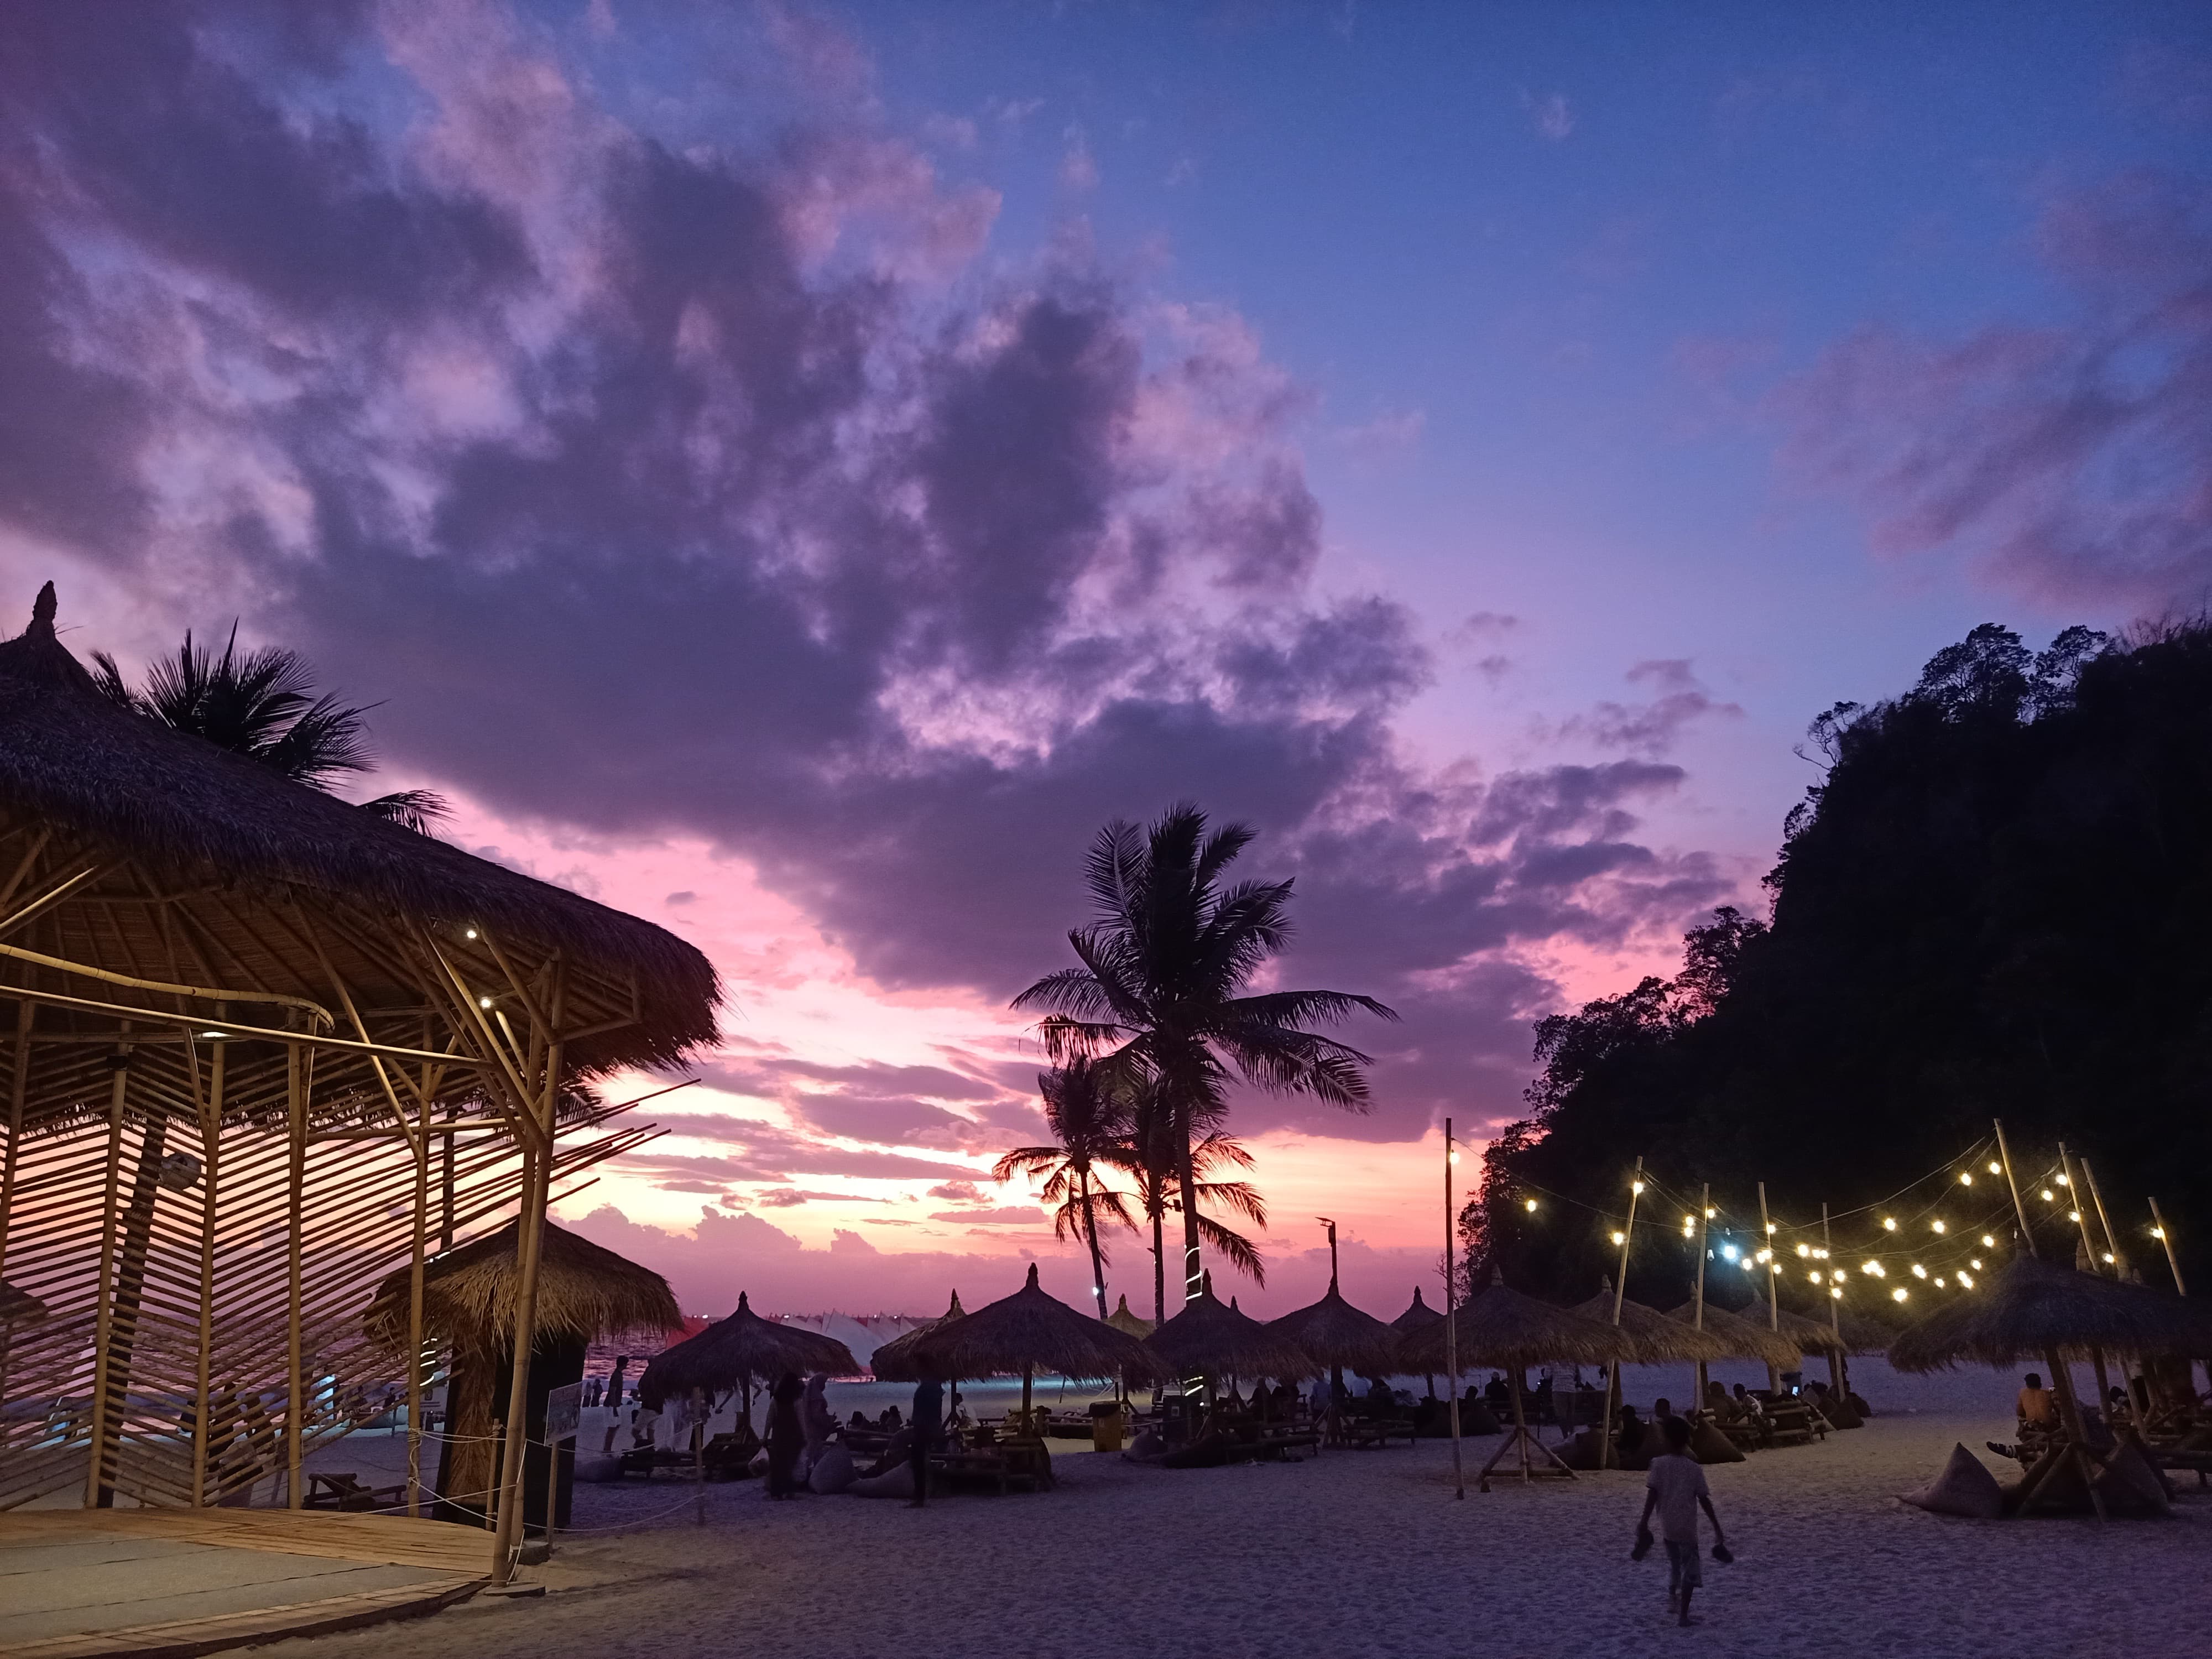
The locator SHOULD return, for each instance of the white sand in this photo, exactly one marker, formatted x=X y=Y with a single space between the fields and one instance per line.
x=1355 y=1554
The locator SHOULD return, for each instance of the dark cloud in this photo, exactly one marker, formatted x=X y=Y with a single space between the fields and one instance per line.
x=1652 y=727
x=571 y=440
x=2064 y=460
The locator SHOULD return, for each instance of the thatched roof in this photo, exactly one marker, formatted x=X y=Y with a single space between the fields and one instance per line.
x=1209 y=1339
x=1812 y=1336
x=197 y=818
x=18 y=1307
x=1332 y=1333
x=1419 y=1316
x=892 y=1361
x=1659 y=1340
x=1504 y=1327
x=1032 y=1331
x=2026 y=1308
x=743 y=1348
x=1863 y=1334
x=1122 y=1320
x=1744 y=1340
x=467 y=1294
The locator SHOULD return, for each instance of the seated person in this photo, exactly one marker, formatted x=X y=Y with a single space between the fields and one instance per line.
x=900 y=1449
x=1750 y=1403
x=2039 y=1422
x=1662 y=1409
x=890 y=1419
x=859 y=1421
x=1629 y=1432
x=1724 y=1410
x=1497 y=1393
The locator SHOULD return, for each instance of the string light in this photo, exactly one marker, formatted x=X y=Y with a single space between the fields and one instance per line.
x=1765 y=1256
x=1889 y=1224
x=1938 y=1226
x=1454 y=1157
x=2073 y=1215
x=1988 y=1242
x=1965 y=1178
x=1975 y=1264
x=484 y=1002
x=2158 y=1232
x=1816 y=1275
x=1619 y=1237
x=1919 y=1272
x=1635 y=1185
x=2108 y=1255
x=1898 y=1294
x=1939 y=1283
x=1710 y=1214
x=1805 y=1250
x=2063 y=1180
x=1529 y=1205
x=1995 y=1167
x=1688 y=1227
x=1769 y=1227
x=1837 y=1294
x=1966 y=1281
x=2048 y=1195
x=1875 y=1269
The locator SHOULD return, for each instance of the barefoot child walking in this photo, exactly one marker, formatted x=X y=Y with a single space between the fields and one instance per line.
x=1676 y=1488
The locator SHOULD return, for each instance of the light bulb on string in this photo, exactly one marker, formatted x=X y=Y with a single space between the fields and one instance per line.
x=1804 y=1249
x=2048 y=1195
x=1529 y=1205
x=1975 y=1264
x=1710 y=1214
x=1938 y=1282
x=2108 y=1257
x=2158 y=1232
x=1919 y=1272
x=1938 y=1226
x=1837 y=1294
x=1989 y=1243
x=1873 y=1267
x=2073 y=1215
x=1965 y=1178
x=1635 y=1185
x=1995 y=1167
x=1889 y=1224
x=1619 y=1237
x=1966 y=1281
x=1898 y=1294
x=2063 y=1182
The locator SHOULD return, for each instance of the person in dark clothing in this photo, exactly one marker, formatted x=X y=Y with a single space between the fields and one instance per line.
x=928 y=1422
x=787 y=1438
x=1629 y=1433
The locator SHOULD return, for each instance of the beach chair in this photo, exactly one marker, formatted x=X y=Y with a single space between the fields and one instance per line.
x=345 y=1492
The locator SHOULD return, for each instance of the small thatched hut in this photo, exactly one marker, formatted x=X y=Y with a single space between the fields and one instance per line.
x=1210 y=1339
x=584 y=1292
x=1659 y=1340
x=890 y=1361
x=1026 y=1333
x=736 y=1353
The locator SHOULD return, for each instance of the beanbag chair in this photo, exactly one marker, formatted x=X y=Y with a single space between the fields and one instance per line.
x=1477 y=1420
x=1709 y=1445
x=595 y=1468
x=898 y=1482
x=832 y=1471
x=1965 y=1487
x=1859 y=1406
x=2129 y=1486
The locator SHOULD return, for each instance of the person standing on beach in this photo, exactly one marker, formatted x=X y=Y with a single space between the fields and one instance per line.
x=928 y=1422
x=1676 y=1488
x=785 y=1436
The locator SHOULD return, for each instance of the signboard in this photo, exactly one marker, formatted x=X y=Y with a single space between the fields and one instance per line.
x=563 y=1406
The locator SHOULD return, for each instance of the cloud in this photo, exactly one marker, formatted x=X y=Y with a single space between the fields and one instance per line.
x=1011 y=1216
x=1393 y=432
x=1649 y=728
x=958 y=1192
x=2062 y=461
x=736 y=478
x=1552 y=116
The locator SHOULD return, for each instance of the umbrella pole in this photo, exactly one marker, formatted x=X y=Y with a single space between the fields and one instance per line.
x=1619 y=1294
x=1773 y=1304
x=1025 y=1399
x=1698 y=1296
x=1451 y=1339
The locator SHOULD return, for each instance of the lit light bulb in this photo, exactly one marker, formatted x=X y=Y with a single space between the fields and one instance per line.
x=1766 y=1255
x=1975 y=1264
x=1898 y=1294
x=2073 y=1215
x=1710 y=1214
x=1965 y=1281
x=2108 y=1255
x=1816 y=1275
x=1748 y=1265
x=1937 y=1225
x=1965 y=1178
x=1635 y=1185
x=484 y=1002
x=1838 y=1295
x=1529 y=1205
x=1988 y=1242
x=1889 y=1224
x=1873 y=1267
x=2158 y=1232
x=1619 y=1237
x=1454 y=1157
x=471 y=933
x=1688 y=1230
x=1804 y=1249
x=2048 y=1195
x=1919 y=1272
x=2062 y=1181
x=1995 y=1167
x=1939 y=1284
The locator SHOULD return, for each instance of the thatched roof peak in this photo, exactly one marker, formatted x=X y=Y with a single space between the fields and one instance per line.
x=584 y=1291
x=173 y=803
x=1028 y=1330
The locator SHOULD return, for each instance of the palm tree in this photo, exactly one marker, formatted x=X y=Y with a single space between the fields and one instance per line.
x=1090 y=1127
x=263 y=706
x=1162 y=991
x=1159 y=1189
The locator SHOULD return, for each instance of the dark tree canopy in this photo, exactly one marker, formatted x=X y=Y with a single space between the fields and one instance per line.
x=1997 y=902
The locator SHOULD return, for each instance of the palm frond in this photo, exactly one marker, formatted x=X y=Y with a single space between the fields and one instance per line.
x=420 y=809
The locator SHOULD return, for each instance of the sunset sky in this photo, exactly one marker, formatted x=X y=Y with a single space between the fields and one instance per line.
x=795 y=472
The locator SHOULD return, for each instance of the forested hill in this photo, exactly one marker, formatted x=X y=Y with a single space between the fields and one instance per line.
x=1997 y=903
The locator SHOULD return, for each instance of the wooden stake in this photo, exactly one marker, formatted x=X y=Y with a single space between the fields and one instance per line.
x=25 y=1010
x=210 y=1152
x=1451 y=1334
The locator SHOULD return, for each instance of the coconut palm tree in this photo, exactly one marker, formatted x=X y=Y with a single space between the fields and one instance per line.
x=1159 y=1191
x=1090 y=1123
x=263 y=705
x=1162 y=993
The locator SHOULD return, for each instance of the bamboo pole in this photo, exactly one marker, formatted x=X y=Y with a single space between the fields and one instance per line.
x=2080 y=1214
x=97 y=1492
x=2165 y=1235
x=2119 y=1263
x=1773 y=1302
x=1619 y=1295
x=1698 y=1296
x=295 y=1413
x=2019 y=1209
x=1451 y=1335
x=202 y=1358
x=18 y=1083
x=1841 y=1383
x=421 y=1149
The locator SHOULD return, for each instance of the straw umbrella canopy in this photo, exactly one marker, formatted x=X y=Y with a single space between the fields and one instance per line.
x=1510 y=1330
x=1335 y=1334
x=734 y=1352
x=1122 y=1320
x=1026 y=1333
x=1418 y=1316
x=892 y=1362
x=2028 y=1309
x=584 y=1292
x=1207 y=1337
x=1812 y=1336
x=18 y=1307
x=1862 y=1334
x=1745 y=1340
x=1659 y=1340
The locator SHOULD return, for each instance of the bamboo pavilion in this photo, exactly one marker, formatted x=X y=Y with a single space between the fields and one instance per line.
x=263 y=1048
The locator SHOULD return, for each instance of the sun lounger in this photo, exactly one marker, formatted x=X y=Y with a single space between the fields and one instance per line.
x=1790 y=1421
x=344 y=1492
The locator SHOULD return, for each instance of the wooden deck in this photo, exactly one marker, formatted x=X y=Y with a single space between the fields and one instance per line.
x=106 y=1583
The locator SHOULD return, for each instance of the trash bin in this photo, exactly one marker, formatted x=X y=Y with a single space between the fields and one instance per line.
x=1106 y=1426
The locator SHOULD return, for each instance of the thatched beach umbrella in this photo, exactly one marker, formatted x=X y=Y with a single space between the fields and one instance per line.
x=584 y=1292
x=1418 y=1316
x=1214 y=1341
x=1811 y=1336
x=2030 y=1309
x=735 y=1352
x=892 y=1361
x=1029 y=1332
x=1659 y=1340
x=1332 y=1333
x=1745 y=1340
x=1122 y=1320
x=1862 y=1334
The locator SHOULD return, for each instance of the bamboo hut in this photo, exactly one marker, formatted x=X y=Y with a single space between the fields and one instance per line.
x=264 y=1048
x=469 y=1300
x=1211 y=1339
x=736 y=1353
x=1505 y=1328
x=1024 y=1333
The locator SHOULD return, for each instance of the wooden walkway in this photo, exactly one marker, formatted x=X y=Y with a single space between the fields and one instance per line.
x=107 y=1584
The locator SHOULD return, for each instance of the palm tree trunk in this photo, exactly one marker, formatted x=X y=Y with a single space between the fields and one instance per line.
x=1091 y=1232
x=1159 y=1256
x=1192 y=1280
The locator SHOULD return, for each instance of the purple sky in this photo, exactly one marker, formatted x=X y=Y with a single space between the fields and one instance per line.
x=796 y=473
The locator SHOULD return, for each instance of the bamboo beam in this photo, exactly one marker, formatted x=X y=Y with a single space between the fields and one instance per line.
x=203 y=1355
x=294 y=1361
x=18 y=1081
x=236 y=1029
x=97 y=1494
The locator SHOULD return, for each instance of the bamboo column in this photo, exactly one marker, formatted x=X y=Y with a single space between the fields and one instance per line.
x=2165 y=1238
x=1451 y=1335
x=1698 y=1296
x=1619 y=1294
x=295 y=1411
x=2088 y=1248
x=17 y=1083
x=203 y=1359
x=1773 y=1302
x=1837 y=1378
x=421 y=1150
x=98 y=1494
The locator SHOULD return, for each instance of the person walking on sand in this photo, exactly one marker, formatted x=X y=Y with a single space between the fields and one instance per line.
x=1676 y=1488
x=928 y=1422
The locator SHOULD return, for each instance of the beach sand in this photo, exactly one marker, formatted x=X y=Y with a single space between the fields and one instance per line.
x=1354 y=1553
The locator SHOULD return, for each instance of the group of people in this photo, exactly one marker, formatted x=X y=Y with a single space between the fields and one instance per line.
x=800 y=1426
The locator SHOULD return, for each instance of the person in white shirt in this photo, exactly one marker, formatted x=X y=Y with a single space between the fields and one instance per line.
x=1676 y=1489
